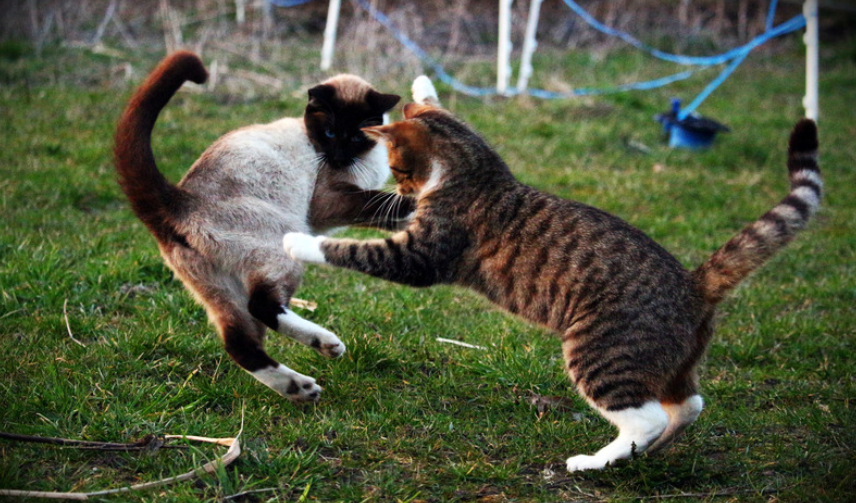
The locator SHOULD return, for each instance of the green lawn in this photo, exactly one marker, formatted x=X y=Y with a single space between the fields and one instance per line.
x=404 y=417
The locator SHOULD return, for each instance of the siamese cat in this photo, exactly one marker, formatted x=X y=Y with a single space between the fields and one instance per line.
x=633 y=322
x=220 y=228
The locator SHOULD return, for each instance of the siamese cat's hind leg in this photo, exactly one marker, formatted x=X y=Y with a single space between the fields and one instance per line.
x=269 y=304
x=272 y=278
x=306 y=332
x=243 y=337
x=225 y=299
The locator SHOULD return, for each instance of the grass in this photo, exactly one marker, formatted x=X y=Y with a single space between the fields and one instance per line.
x=404 y=417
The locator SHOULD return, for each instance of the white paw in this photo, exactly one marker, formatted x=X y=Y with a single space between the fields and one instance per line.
x=333 y=348
x=310 y=334
x=302 y=389
x=288 y=383
x=583 y=462
x=304 y=247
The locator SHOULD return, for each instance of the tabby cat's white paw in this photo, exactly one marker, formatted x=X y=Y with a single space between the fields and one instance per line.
x=304 y=247
x=583 y=462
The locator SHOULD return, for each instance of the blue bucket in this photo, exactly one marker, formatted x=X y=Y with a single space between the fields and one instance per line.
x=691 y=132
x=682 y=137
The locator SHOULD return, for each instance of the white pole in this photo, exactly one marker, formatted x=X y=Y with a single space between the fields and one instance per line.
x=330 y=34
x=529 y=45
x=503 y=57
x=240 y=11
x=810 y=101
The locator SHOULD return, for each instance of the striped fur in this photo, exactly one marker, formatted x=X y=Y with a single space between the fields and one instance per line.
x=761 y=239
x=634 y=323
x=219 y=228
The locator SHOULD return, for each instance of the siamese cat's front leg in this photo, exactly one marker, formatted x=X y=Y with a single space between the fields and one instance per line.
x=402 y=258
x=383 y=210
x=344 y=204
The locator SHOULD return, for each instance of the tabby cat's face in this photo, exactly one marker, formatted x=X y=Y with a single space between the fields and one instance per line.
x=409 y=144
x=336 y=111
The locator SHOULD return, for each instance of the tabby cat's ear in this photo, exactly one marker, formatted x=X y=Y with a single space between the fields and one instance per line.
x=378 y=133
x=321 y=96
x=381 y=103
x=401 y=133
x=412 y=110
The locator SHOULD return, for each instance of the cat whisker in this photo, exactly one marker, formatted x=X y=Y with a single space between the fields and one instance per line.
x=388 y=208
x=357 y=169
x=376 y=197
x=383 y=208
x=363 y=170
x=395 y=206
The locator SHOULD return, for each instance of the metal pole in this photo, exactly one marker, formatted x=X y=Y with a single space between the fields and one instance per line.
x=330 y=34
x=503 y=58
x=810 y=101
x=530 y=43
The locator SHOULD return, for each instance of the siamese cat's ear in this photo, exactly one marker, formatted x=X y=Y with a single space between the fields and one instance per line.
x=321 y=96
x=382 y=103
x=378 y=133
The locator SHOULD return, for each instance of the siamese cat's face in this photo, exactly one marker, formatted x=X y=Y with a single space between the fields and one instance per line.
x=336 y=111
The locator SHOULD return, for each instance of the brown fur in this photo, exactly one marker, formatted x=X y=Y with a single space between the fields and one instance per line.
x=219 y=229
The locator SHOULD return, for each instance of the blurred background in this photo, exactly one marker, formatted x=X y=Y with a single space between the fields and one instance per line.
x=258 y=47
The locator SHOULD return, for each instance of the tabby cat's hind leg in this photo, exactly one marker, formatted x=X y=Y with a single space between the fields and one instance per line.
x=637 y=428
x=681 y=415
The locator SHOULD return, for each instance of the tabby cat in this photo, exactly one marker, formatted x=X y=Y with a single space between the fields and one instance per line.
x=633 y=322
x=220 y=228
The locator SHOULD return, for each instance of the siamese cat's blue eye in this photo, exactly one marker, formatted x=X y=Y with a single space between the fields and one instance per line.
x=329 y=133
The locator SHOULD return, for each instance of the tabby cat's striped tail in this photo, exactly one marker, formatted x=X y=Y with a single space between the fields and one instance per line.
x=760 y=240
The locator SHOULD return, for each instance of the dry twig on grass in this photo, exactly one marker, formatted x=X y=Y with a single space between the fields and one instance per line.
x=210 y=467
x=68 y=325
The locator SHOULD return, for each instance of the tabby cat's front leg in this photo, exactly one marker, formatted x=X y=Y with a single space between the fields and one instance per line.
x=401 y=258
x=304 y=247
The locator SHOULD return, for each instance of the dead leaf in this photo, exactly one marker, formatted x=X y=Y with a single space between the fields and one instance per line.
x=303 y=304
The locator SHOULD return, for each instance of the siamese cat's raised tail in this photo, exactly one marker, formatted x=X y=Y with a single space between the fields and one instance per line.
x=153 y=198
